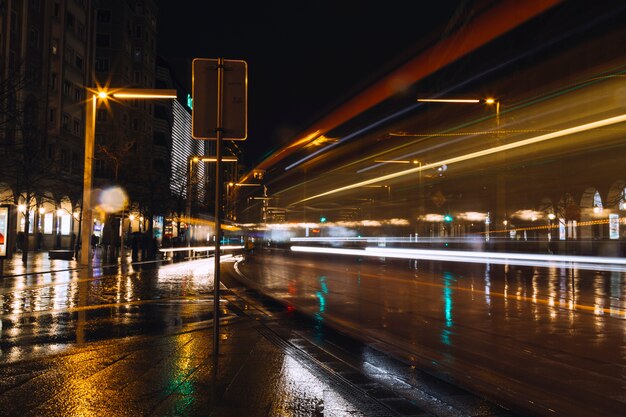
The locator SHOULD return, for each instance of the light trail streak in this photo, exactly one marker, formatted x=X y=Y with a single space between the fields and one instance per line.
x=525 y=142
x=198 y=248
x=502 y=258
x=447 y=100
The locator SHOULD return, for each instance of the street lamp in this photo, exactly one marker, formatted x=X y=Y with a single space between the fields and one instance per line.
x=90 y=133
x=489 y=101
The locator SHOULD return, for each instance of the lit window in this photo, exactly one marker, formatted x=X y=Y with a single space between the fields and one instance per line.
x=47 y=223
x=597 y=202
x=66 y=221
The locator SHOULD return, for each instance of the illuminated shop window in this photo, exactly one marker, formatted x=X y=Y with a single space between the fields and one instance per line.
x=66 y=222
x=47 y=223
x=597 y=202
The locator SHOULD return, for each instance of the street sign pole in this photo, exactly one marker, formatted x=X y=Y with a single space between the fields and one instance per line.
x=218 y=203
x=220 y=97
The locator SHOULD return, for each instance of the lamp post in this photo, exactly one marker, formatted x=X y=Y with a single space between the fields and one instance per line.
x=500 y=178
x=90 y=133
x=489 y=101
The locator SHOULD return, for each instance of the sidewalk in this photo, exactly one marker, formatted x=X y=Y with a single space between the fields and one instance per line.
x=38 y=262
x=175 y=375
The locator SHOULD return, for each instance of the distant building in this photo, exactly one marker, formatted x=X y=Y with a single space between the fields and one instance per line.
x=132 y=149
x=50 y=52
x=46 y=50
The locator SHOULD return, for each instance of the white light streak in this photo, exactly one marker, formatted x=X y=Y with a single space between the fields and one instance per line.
x=505 y=258
x=447 y=100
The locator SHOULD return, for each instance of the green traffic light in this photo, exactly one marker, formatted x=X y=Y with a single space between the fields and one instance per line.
x=323 y=219
x=447 y=218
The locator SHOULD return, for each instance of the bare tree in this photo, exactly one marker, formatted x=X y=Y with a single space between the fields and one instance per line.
x=27 y=167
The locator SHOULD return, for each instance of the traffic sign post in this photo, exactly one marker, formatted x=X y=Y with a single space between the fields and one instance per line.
x=220 y=101
x=204 y=124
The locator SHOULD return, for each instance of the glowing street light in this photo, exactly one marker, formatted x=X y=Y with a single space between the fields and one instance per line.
x=489 y=101
x=90 y=133
x=397 y=161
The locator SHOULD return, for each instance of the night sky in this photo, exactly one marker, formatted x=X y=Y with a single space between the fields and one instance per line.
x=304 y=57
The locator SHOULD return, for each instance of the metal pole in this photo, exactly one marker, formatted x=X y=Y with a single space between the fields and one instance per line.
x=122 y=258
x=188 y=205
x=87 y=215
x=218 y=205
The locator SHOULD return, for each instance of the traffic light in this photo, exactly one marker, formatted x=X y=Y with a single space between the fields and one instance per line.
x=323 y=219
x=447 y=218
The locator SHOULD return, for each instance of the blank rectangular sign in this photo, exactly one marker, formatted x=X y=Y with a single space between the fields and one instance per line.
x=205 y=100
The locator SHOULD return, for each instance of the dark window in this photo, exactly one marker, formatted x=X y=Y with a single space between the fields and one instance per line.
x=160 y=139
x=137 y=31
x=103 y=40
x=102 y=64
x=137 y=55
x=160 y=112
x=78 y=94
x=65 y=124
x=99 y=167
x=101 y=115
x=65 y=160
x=79 y=62
x=75 y=163
x=53 y=81
x=70 y=20
x=13 y=22
x=53 y=116
x=104 y=16
x=34 y=38
x=69 y=55
x=67 y=87
x=76 y=127
x=35 y=5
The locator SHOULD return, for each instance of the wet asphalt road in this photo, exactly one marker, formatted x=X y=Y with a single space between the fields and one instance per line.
x=543 y=341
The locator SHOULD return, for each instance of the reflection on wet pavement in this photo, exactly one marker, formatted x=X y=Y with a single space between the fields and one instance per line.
x=516 y=334
x=139 y=343
x=46 y=310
